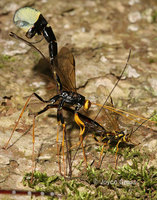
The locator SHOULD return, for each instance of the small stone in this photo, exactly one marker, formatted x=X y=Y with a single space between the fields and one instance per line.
x=44 y=1
x=103 y=59
x=22 y=45
x=132 y=2
x=133 y=27
x=37 y=84
x=45 y=157
x=14 y=52
x=132 y=72
x=152 y=145
x=66 y=26
x=134 y=17
x=147 y=15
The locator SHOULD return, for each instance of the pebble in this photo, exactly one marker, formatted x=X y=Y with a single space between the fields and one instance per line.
x=132 y=72
x=134 y=16
x=133 y=27
x=103 y=59
x=132 y=2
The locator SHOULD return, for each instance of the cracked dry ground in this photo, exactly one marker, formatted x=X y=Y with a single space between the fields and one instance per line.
x=99 y=34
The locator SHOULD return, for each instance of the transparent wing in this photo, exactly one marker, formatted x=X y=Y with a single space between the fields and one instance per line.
x=107 y=117
x=65 y=68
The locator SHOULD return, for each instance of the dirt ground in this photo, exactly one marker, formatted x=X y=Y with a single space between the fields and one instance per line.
x=100 y=34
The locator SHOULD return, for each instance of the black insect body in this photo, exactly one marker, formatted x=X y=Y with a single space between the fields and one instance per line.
x=105 y=137
x=71 y=98
x=62 y=66
x=33 y=22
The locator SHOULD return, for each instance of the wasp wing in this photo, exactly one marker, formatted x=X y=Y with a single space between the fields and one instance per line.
x=107 y=116
x=64 y=67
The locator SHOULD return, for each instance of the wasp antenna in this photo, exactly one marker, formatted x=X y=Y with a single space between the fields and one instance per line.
x=13 y=35
x=115 y=84
x=142 y=123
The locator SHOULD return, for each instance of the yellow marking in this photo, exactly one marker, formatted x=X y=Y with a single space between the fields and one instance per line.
x=87 y=105
x=104 y=138
x=119 y=135
x=119 y=111
x=80 y=124
x=124 y=139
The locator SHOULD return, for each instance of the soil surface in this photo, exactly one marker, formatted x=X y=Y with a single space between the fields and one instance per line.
x=100 y=34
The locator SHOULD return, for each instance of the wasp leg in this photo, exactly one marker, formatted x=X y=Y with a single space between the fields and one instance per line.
x=52 y=101
x=116 y=157
x=60 y=119
x=33 y=154
x=82 y=130
x=58 y=148
x=101 y=153
x=21 y=114
x=33 y=136
x=16 y=124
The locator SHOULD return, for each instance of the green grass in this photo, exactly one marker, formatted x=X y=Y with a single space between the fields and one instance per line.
x=154 y=117
x=154 y=16
x=5 y=59
x=136 y=180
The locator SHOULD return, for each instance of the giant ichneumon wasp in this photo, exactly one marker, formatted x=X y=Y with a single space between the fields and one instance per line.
x=36 y=24
x=63 y=63
x=61 y=68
